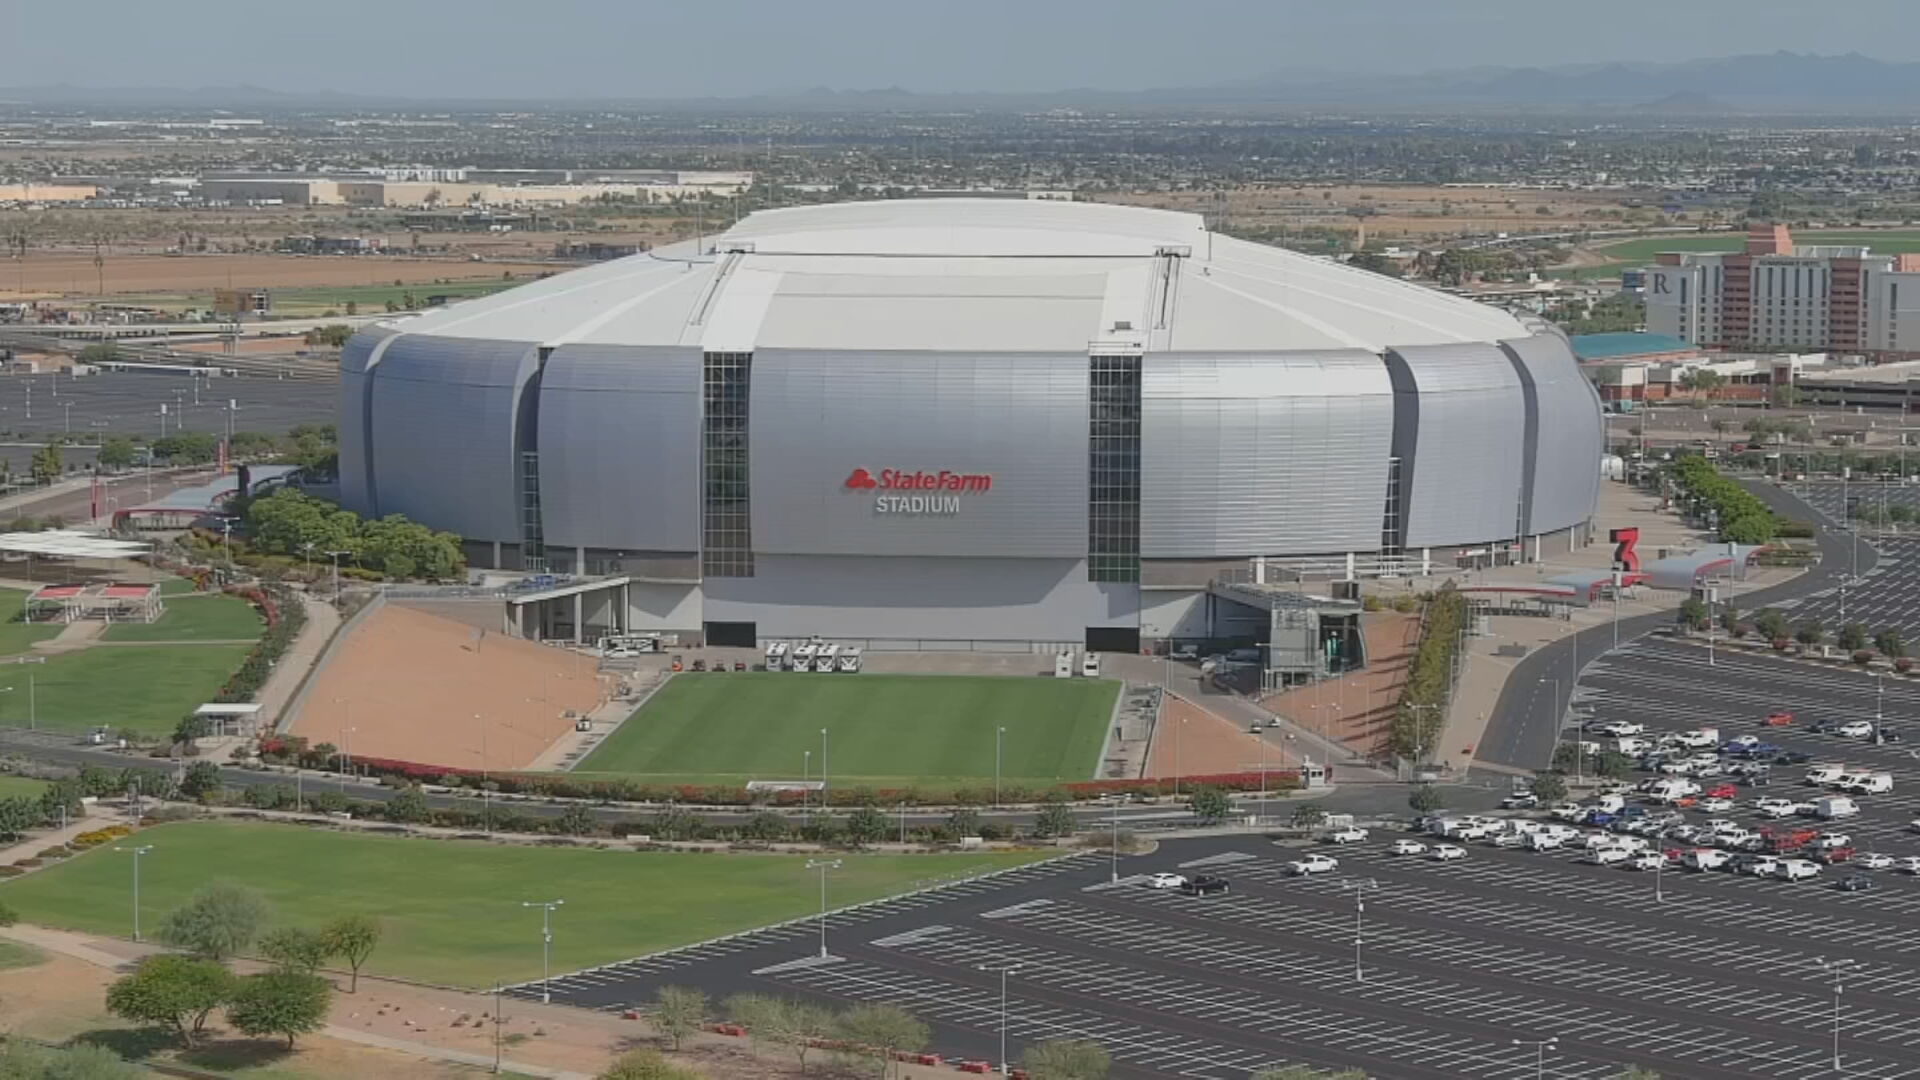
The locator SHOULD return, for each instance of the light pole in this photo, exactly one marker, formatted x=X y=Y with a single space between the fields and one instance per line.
x=335 y=556
x=144 y=848
x=823 y=768
x=1261 y=816
x=1114 y=864
x=823 y=865
x=1835 y=970
x=1540 y=1047
x=999 y=736
x=1359 y=887
x=1879 y=703
x=1003 y=972
x=546 y=943
x=1560 y=720
x=1178 y=728
x=806 y=773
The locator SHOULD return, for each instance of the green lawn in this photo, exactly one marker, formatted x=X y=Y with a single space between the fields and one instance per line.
x=1642 y=249
x=195 y=617
x=13 y=787
x=17 y=636
x=885 y=729
x=451 y=910
x=15 y=955
x=144 y=688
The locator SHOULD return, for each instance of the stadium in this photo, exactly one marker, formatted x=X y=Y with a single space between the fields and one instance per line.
x=973 y=423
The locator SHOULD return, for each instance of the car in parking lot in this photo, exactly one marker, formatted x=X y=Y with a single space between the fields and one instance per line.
x=1447 y=852
x=1352 y=834
x=1792 y=757
x=1409 y=847
x=1544 y=841
x=1825 y=774
x=1507 y=840
x=1166 y=881
x=1773 y=808
x=1873 y=860
x=1705 y=859
x=1855 y=729
x=1714 y=804
x=1854 y=883
x=1909 y=864
x=1312 y=864
x=1619 y=728
x=1757 y=865
x=1607 y=855
x=1205 y=885
x=1797 y=869
x=1647 y=860
x=1520 y=800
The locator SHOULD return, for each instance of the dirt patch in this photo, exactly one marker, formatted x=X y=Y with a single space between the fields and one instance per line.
x=418 y=687
x=50 y=274
x=1357 y=708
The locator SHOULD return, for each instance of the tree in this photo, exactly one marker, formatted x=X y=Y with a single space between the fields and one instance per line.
x=1853 y=637
x=115 y=454
x=100 y=352
x=1771 y=624
x=1425 y=799
x=1308 y=815
x=172 y=991
x=408 y=804
x=1693 y=613
x=1635 y=1072
x=81 y=1061
x=294 y=949
x=280 y=1003
x=1066 y=1059
x=1209 y=804
x=964 y=822
x=1729 y=618
x=648 y=1065
x=1548 y=787
x=191 y=729
x=1890 y=644
x=352 y=938
x=220 y=922
x=1055 y=818
x=575 y=820
x=866 y=825
x=1810 y=633
x=1749 y=529
x=202 y=779
x=884 y=1032
x=678 y=1011
x=45 y=467
x=795 y=1025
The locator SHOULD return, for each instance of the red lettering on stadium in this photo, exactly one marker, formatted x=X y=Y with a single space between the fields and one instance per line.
x=919 y=480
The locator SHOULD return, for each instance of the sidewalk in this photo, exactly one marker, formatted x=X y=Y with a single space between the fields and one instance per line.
x=85 y=822
x=323 y=620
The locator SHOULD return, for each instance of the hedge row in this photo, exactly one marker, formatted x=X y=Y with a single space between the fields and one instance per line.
x=285 y=616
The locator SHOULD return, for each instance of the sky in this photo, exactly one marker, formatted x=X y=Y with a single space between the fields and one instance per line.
x=532 y=49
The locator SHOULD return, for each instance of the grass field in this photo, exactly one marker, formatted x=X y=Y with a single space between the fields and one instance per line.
x=13 y=787
x=450 y=910
x=884 y=729
x=196 y=617
x=17 y=636
x=144 y=688
x=1642 y=249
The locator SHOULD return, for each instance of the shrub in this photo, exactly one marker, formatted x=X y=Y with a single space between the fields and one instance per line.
x=1903 y=665
x=1863 y=657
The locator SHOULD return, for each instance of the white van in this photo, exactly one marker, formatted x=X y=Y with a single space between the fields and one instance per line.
x=1830 y=807
x=1543 y=841
x=1672 y=790
x=1797 y=870
x=1825 y=774
x=1878 y=783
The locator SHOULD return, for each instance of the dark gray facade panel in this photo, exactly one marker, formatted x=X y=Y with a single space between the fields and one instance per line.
x=1465 y=480
x=1020 y=419
x=620 y=448
x=1566 y=457
x=1263 y=454
x=910 y=598
x=354 y=460
x=441 y=435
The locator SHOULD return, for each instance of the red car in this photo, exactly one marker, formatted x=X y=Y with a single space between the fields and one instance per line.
x=1779 y=719
x=1723 y=791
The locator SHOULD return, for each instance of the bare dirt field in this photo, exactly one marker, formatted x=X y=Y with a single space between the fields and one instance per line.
x=52 y=275
x=417 y=687
x=1394 y=212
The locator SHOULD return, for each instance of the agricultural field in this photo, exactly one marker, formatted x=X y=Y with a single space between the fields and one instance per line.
x=451 y=911
x=884 y=730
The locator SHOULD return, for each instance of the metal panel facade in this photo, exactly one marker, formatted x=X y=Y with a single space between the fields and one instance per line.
x=1464 y=483
x=620 y=447
x=441 y=437
x=1565 y=455
x=359 y=352
x=1008 y=431
x=1246 y=454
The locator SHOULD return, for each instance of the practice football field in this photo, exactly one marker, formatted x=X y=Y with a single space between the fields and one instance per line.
x=450 y=910
x=883 y=730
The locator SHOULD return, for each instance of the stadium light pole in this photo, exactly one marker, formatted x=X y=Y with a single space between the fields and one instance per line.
x=142 y=849
x=546 y=943
x=1359 y=887
x=806 y=773
x=1835 y=970
x=1003 y=972
x=999 y=736
x=1540 y=1047
x=823 y=865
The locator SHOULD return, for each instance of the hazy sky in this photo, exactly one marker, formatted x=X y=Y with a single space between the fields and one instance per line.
x=692 y=48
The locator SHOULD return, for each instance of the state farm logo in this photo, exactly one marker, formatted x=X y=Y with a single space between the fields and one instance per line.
x=946 y=485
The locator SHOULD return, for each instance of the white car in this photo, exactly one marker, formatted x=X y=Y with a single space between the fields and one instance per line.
x=1506 y=840
x=1765 y=866
x=1873 y=860
x=1744 y=741
x=1705 y=859
x=1829 y=841
x=1908 y=865
x=1608 y=855
x=1313 y=864
x=1797 y=870
x=1649 y=860
x=1914 y=824
x=1447 y=852
x=1166 y=881
x=1677 y=768
x=1352 y=834
x=1855 y=729
x=1564 y=811
x=1618 y=728
x=1409 y=847
x=1774 y=808
x=1825 y=774
x=1692 y=740
x=1714 y=806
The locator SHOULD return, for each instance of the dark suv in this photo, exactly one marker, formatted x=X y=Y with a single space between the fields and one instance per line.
x=1204 y=885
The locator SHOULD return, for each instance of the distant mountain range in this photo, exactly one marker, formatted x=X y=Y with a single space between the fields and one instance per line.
x=1782 y=81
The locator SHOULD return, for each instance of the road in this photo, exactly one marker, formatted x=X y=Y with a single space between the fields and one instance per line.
x=1524 y=726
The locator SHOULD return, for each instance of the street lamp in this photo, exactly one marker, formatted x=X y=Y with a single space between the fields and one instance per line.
x=1559 y=719
x=823 y=865
x=1359 y=887
x=546 y=943
x=823 y=767
x=142 y=849
x=1835 y=969
x=1004 y=971
x=999 y=736
x=806 y=773
x=1178 y=728
x=1540 y=1047
x=1879 y=703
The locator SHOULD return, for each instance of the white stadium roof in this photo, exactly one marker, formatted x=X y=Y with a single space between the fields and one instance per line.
x=973 y=274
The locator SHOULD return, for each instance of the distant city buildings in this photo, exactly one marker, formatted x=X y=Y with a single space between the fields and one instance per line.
x=411 y=186
x=1774 y=295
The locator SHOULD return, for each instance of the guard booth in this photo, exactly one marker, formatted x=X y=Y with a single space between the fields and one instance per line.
x=1314 y=775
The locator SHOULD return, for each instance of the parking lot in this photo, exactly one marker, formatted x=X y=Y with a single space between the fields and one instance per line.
x=128 y=403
